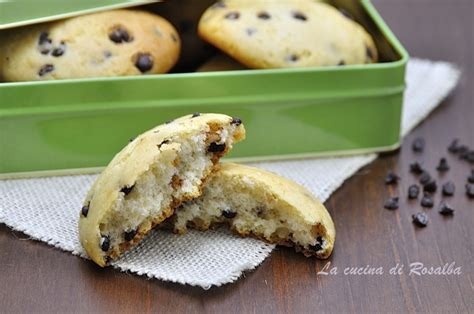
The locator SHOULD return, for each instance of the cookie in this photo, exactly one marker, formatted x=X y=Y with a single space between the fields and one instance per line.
x=262 y=204
x=286 y=33
x=149 y=178
x=112 y=43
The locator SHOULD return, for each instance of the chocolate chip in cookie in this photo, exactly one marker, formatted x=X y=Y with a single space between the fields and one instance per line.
x=229 y=214
x=236 y=121
x=216 y=148
x=120 y=35
x=299 y=16
x=104 y=243
x=127 y=189
x=144 y=62
x=129 y=235
x=60 y=50
x=85 y=210
x=196 y=114
x=232 y=15
x=45 y=69
x=341 y=62
x=44 y=43
x=263 y=15
x=292 y=58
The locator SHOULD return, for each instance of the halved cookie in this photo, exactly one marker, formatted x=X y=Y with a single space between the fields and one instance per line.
x=262 y=204
x=149 y=178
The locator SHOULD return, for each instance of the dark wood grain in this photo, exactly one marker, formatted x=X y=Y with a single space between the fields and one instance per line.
x=37 y=278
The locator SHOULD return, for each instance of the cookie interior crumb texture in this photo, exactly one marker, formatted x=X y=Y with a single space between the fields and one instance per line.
x=149 y=178
x=262 y=204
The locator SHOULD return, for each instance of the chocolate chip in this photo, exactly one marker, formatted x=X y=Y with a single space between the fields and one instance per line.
x=418 y=144
x=196 y=114
x=250 y=31
x=416 y=168
x=232 y=15
x=263 y=15
x=120 y=35
x=299 y=16
x=292 y=58
x=430 y=187
x=391 y=178
x=470 y=156
x=391 y=203
x=216 y=148
x=346 y=13
x=341 y=62
x=413 y=191
x=427 y=201
x=470 y=179
x=443 y=165
x=59 y=51
x=45 y=69
x=130 y=235
x=317 y=247
x=144 y=62
x=260 y=211
x=162 y=143
x=420 y=219
x=174 y=37
x=229 y=214
x=44 y=38
x=463 y=151
x=425 y=177
x=127 y=189
x=448 y=188
x=107 y=54
x=85 y=210
x=169 y=121
x=470 y=190
x=105 y=243
x=131 y=139
x=445 y=209
x=454 y=146
x=238 y=121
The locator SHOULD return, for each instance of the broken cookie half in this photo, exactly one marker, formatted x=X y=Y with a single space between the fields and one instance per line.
x=150 y=178
x=262 y=204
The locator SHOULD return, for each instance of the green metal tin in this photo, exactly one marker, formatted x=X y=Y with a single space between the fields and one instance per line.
x=78 y=125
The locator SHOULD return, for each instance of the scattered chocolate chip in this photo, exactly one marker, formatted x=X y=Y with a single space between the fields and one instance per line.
x=413 y=191
x=105 y=243
x=130 y=235
x=299 y=16
x=346 y=13
x=420 y=219
x=341 y=62
x=196 y=114
x=416 y=168
x=216 y=148
x=448 y=188
x=391 y=178
x=120 y=35
x=418 y=144
x=263 y=16
x=470 y=190
x=470 y=156
x=45 y=69
x=229 y=214
x=292 y=58
x=430 y=187
x=427 y=201
x=454 y=146
x=232 y=15
x=391 y=203
x=445 y=209
x=127 y=189
x=144 y=62
x=238 y=121
x=443 y=165
x=470 y=179
x=425 y=177
x=463 y=151
x=85 y=210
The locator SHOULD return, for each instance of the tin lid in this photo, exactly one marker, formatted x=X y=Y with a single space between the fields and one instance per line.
x=14 y=13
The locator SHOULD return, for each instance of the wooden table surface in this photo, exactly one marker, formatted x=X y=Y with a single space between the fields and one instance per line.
x=37 y=278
